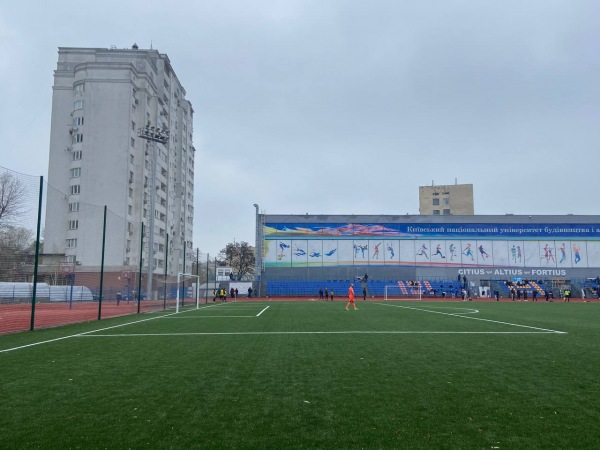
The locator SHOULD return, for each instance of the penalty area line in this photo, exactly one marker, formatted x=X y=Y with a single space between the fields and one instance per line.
x=545 y=330
x=87 y=333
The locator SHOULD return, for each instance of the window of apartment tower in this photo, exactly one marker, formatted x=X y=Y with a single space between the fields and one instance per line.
x=132 y=142
x=446 y=212
x=76 y=155
x=446 y=201
x=77 y=138
x=436 y=201
x=436 y=212
x=78 y=104
x=79 y=88
x=75 y=189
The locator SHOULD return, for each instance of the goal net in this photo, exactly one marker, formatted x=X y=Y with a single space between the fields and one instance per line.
x=187 y=288
x=403 y=292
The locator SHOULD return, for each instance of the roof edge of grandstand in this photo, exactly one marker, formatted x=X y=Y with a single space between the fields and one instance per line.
x=412 y=218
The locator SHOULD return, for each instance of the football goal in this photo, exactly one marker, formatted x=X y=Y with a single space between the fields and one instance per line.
x=180 y=290
x=397 y=292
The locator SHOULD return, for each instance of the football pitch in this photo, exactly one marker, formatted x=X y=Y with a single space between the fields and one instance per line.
x=310 y=375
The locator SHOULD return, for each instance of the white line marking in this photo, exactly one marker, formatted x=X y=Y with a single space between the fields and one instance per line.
x=262 y=311
x=201 y=317
x=88 y=332
x=474 y=318
x=245 y=333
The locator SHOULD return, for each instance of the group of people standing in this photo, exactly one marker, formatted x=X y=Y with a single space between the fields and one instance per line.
x=326 y=294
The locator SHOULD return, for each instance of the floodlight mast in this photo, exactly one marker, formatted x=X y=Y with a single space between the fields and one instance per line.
x=156 y=135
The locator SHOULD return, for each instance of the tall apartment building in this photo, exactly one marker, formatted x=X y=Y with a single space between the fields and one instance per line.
x=101 y=100
x=452 y=199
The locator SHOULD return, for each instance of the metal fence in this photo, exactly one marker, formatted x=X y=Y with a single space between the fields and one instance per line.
x=42 y=286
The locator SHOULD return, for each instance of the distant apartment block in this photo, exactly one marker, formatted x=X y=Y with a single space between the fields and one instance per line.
x=453 y=199
x=101 y=100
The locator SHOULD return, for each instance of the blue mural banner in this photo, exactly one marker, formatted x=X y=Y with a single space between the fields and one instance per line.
x=445 y=231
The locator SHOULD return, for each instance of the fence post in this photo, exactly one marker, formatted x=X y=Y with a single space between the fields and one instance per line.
x=140 y=274
x=37 y=254
x=166 y=266
x=102 y=265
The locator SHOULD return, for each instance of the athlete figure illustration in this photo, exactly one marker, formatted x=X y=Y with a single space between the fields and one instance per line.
x=362 y=249
x=315 y=254
x=299 y=252
x=513 y=252
x=551 y=255
x=563 y=253
x=576 y=250
x=423 y=251
x=467 y=252
x=376 y=252
x=484 y=254
x=438 y=251
x=356 y=250
x=391 y=250
x=282 y=246
x=452 y=249
x=519 y=253
x=546 y=256
x=330 y=252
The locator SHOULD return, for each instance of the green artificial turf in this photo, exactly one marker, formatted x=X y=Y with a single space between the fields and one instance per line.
x=310 y=375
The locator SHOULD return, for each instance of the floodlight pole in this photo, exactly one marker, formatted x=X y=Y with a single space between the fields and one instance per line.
x=257 y=251
x=155 y=135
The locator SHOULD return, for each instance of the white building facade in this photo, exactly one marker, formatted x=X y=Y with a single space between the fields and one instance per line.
x=101 y=100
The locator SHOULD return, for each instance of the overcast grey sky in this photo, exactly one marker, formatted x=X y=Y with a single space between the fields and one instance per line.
x=340 y=106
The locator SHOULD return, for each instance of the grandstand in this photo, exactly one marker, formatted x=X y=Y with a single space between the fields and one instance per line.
x=300 y=254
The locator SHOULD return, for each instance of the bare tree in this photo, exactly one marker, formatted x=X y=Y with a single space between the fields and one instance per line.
x=16 y=250
x=240 y=257
x=12 y=198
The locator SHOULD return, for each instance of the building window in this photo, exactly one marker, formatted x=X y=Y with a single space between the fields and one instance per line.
x=446 y=212
x=79 y=88
x=446 y=201
x=77 y=104
x=436 y=212
x=130 y=209
x=76 y=155
x=133 y=125
x=75 y=189
x=74 y=207
x=73 y=224
x=130 y=176
x=76 y=172
x=436 y=201
x=71 y=243
x=77 y=121
x=130 y=192
x=70 y=259
x=77 y=138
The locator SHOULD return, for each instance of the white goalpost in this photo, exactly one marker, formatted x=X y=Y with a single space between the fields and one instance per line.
x=397 y=292
x=187 y=276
